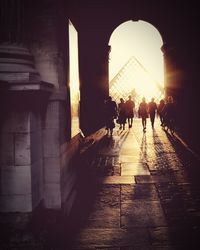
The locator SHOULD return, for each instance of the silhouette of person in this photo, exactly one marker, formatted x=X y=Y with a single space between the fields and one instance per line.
x=110 y=114
x=169 y=114
x=130 y=105
x=160 y=110
x=152 y=107
x=122 y=113
x=143 y=112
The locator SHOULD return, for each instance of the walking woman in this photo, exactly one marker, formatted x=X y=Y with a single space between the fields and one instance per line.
x=143 y=112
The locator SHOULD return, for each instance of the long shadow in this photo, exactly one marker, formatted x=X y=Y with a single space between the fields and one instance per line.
x=180 y=203
x=58 y=231
x=138 y=204
x=142 y=186
x=92 y=177
x=51 y=229
x=189 y=159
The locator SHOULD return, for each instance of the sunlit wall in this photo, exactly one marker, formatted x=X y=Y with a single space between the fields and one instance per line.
x=74 y=79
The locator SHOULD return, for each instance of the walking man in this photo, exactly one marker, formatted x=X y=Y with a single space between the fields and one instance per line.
x=130 y=105
x=152 y=111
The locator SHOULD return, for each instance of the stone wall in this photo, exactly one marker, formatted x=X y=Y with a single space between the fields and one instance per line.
x=49 y=43
x=21 y=161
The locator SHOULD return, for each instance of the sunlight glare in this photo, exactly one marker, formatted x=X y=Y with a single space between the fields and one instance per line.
x=142 y=41
x=74 y=79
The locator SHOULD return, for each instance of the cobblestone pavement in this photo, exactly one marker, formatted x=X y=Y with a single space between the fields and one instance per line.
x=135 y=191
x=147 y=196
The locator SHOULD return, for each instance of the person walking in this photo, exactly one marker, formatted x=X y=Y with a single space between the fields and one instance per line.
x=143 y=113
x=130 y=105
x=110 y=114
x=169 y=114
x=152 y=107
x=160 y=109
x=122 y=114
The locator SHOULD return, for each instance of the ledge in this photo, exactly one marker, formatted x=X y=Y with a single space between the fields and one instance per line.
x=26 y=86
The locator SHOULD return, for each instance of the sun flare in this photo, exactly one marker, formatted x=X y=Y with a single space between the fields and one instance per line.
x=136 y=61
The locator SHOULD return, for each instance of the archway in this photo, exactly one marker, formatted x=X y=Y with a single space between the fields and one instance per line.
x=136 y=65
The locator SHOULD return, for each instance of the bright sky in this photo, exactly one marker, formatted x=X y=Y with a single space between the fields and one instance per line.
x=143 y=41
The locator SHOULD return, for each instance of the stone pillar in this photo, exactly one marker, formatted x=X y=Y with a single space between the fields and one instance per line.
x=105 y=70
x=20 y=158
x=23 y=97
x=173 y=72
x=103 y=84
x=95 y=85
x=49 y=45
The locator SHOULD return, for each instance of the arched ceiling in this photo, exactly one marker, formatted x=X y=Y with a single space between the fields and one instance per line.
x=173 y=19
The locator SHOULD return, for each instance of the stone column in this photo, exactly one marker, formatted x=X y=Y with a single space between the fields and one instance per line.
x=94 y=86
x=23 y=96
x=173 y=72
x=105 y=69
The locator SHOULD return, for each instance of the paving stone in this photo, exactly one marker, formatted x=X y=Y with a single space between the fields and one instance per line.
x=111 y=215
x=129 y=158
x=107 y=165
x=181 y=176
x=138 y=192
x=142 y=214
x=108 y=196
x=134 y=169
x=117 y=180
x=160 y=235
x=144 y=179
x=182 y=238
x=130 y=151
x=112 y=237
x=152 y=179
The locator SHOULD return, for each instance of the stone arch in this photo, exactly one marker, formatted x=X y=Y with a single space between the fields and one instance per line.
x=121 y=67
